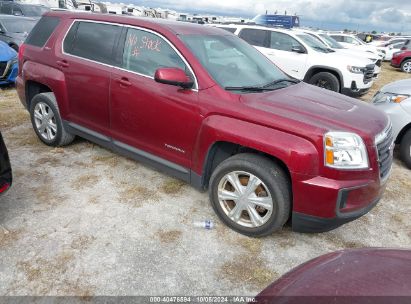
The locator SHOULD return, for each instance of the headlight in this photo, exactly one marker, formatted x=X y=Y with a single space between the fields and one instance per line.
x=344 y=150
x=384 y=97
x=355 y=70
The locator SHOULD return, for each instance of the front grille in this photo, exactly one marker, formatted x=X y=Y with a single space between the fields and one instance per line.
x=368 y=73
x=378 y=63
x=385 y=156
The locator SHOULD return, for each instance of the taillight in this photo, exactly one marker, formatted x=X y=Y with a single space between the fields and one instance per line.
x=20 y=57
x=4 y=187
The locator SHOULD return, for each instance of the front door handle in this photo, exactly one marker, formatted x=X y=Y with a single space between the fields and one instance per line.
x=124 y=82
x=63 y=63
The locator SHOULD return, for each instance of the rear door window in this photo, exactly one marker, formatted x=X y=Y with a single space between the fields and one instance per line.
x=255 y=37
x=42 y=31
x=145 y=52
x=91 y=40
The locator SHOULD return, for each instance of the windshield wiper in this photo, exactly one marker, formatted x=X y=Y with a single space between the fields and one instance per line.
x=280 y=81
x=249 y=89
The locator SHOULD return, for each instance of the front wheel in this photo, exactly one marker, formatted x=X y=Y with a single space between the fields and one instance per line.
x=251 y=194
x=325 y=80
x=406 y=66
x=405 y=149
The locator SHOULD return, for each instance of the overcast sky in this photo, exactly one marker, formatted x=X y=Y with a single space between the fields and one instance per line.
x=381 y=15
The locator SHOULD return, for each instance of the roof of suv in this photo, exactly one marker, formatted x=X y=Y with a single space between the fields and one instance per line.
x=177 y=27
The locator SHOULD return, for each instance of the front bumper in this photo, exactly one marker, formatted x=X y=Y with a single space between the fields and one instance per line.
x=322 y=204
x=9 y=75
x=355 y=85
x=313 y=224
x=354 y=92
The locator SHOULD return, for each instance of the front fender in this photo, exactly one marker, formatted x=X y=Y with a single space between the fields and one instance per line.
x=298 y=154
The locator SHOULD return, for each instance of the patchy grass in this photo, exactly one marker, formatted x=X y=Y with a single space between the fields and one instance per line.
x=12 y=112
x=247 y=269
x=172 y=186
x=136 y=194
x=82 y=242
x=7 y=237
x=84 y=181
x=169 y=236
x=111 y=160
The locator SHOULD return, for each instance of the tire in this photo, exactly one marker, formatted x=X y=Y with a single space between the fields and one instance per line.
x=46 y=121
x=325 y=80
x=405 y=149
x=406 y=66
x=274 y=187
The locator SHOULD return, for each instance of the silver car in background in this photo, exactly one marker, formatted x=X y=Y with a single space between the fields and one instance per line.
x=395 y=100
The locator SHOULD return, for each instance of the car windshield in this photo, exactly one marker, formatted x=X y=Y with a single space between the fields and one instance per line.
x=34 y=10
x=233 y=63
x=331 y=41
x=360 y=42
x=18 y=25
x=314 y=43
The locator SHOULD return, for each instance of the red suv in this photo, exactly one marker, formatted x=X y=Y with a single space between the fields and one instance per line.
x=203 y=105
x=402 y=59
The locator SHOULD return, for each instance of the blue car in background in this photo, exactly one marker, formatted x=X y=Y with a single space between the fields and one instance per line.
x=8 y=64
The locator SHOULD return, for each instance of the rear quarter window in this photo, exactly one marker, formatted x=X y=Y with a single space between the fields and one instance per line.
x=42 y=31
x=91 y=40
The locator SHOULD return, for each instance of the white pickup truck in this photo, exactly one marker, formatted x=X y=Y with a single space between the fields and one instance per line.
x=304 y=57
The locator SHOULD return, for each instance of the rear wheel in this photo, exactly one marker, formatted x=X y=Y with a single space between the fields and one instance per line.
x=326 y=80
x=46 y=121
x=405 y=149
x=251 y=194
x=406 y=66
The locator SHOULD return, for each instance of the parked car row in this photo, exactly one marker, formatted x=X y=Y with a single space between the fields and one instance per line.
x=306 y=57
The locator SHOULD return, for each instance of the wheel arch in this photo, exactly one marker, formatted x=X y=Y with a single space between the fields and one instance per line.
x=319 y=68
x=402 y=133
x=33 y=88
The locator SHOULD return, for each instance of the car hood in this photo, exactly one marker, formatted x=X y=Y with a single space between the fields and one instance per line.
x=348 y=58
x=6 y=52
x=353 y=272
x=398 y=87
x=358 y=53
x=313 y=111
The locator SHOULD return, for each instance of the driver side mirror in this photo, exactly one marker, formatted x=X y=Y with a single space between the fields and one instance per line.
x=17 y=13
x=173 y=76
x=298 y=49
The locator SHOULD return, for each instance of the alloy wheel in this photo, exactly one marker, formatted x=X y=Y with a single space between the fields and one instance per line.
x=45 y=121
x=245 y=199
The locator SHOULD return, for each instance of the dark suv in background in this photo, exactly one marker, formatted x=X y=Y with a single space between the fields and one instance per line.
x=14 y=29
x=22 y=9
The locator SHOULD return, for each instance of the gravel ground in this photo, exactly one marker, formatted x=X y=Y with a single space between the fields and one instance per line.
x=83 y=221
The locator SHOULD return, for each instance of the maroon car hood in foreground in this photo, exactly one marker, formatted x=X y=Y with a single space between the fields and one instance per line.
x=349 y=276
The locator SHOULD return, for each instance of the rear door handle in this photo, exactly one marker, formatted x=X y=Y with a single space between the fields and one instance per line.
x=63 y=63
x=124 y=82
